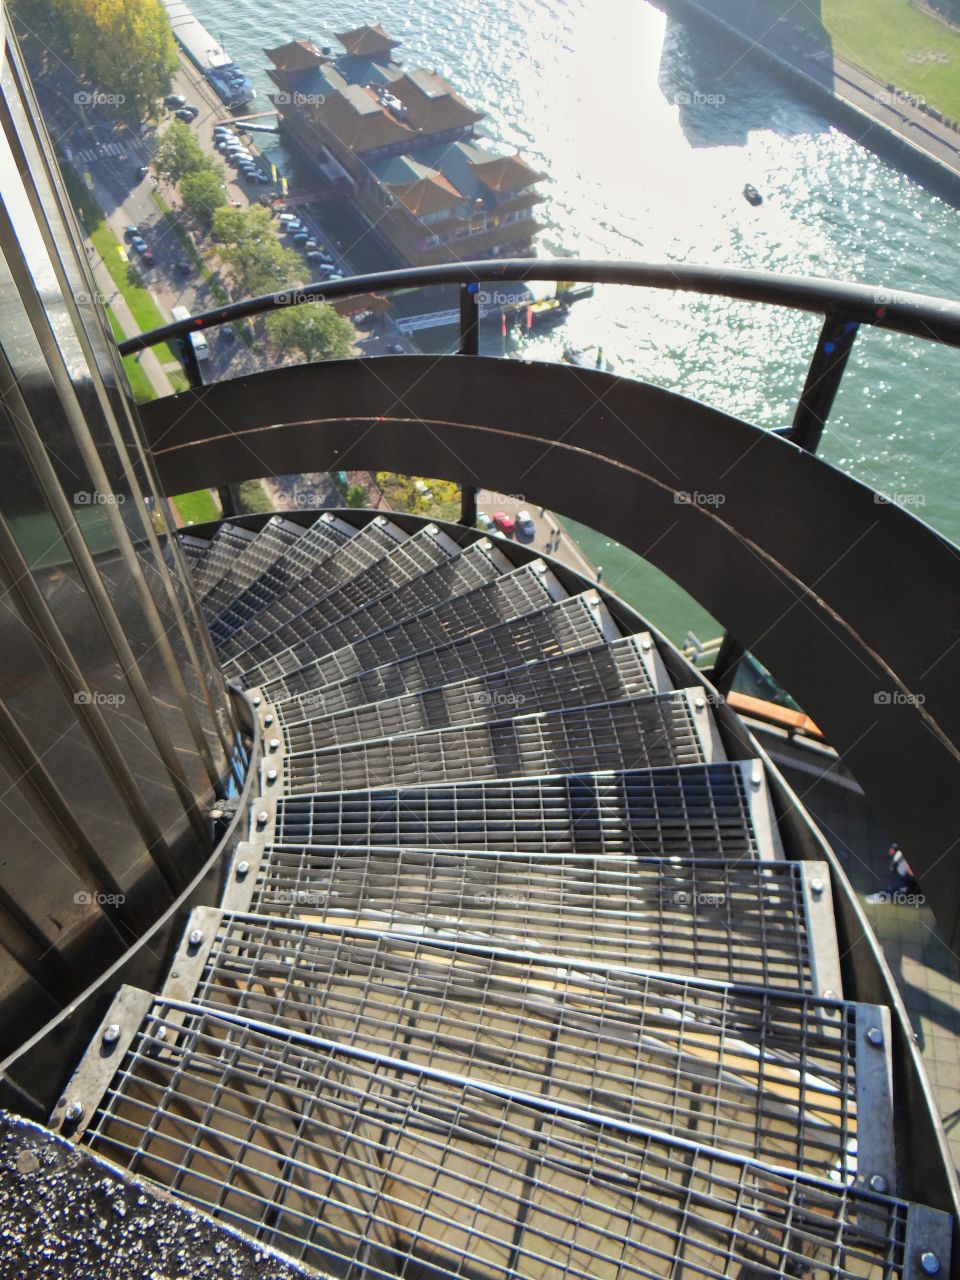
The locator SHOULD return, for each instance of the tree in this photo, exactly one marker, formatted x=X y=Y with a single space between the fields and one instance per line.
x=127 y=49
x=313 y=329
x=257 y=259
x=178 y=153
x=356 y=496
x=202 y=192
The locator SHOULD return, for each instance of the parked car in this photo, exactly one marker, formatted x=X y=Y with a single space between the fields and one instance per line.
x=526 y=529
x=227 y=333
x=259 y=176
x=396 y=349
x=317 y=255
x=506 y=524
x=301 y=237
x=183 y=267
x=185 y=114
x=484 y=522
x=132 y=232
x=139 y=244
x=174 y=100
x=311 y=244
x=223 y=131
x=142 y=170
x=194 y=111
x=286 y=218
x=148 y=258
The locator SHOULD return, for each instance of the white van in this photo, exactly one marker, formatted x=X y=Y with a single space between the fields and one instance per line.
x=199 y=340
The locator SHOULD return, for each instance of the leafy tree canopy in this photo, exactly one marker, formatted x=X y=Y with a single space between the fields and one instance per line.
x=313 y=329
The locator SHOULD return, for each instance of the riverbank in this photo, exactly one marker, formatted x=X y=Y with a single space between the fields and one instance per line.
x=877 y=115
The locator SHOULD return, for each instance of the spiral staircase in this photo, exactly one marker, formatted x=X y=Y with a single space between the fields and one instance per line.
x=514 y=973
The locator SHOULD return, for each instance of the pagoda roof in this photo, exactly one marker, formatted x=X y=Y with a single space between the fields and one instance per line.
x=359 y=121
x=506 y=173
x=432 y=105
x=367 y=40
x=297 y=55
x=432 y=194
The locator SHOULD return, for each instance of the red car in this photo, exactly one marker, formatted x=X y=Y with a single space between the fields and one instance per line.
x=506 y=524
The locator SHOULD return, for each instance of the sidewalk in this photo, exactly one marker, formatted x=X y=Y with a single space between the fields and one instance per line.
x=111 y=295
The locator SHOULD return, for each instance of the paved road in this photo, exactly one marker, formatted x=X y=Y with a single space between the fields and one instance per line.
x=550 y=535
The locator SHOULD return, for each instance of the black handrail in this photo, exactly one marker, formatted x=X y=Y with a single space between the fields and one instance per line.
x=918 y=315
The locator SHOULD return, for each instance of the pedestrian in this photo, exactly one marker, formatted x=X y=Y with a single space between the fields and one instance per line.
x=902 y=880
x=599 y=572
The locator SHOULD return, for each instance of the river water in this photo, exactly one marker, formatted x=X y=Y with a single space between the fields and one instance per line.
x=649 y=129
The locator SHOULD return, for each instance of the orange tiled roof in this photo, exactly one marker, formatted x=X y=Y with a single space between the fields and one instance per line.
x=359 y=129
x=440 y=108
x=506 y=173
x=428 y=195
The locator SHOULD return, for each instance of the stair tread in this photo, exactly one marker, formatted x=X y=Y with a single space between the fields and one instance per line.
x=271 y=543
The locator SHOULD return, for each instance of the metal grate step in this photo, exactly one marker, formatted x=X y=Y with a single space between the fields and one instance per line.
x=791 y=1079
x=371 y=544
x=646 y=732
x=523 y=591
x=194 y=550
x=229 y=542
x=365 y=1164
x=272 y=542
x=565 y=627
x=731 y=921
x=318 y=542
x=373 y=602
x=601 y=674
x=689 y=812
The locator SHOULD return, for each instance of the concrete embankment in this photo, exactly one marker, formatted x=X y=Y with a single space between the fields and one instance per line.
x=878 y=116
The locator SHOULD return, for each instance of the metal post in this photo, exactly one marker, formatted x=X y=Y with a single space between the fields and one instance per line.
x=813 y=408
x=228 y=507
x=469 y=346
x=823 y=378
x=469 y=319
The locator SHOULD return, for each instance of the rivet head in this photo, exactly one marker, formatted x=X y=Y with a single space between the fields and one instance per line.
x=73 y=1112
x=929 y=1263
x=829 y=994
x=242 y=869
x=262 y=818
x=878 y=1183
x=699 y=704
x=274 y=744
x=255 y=701
x=271 y=775
x=875 y=1036
x=755 y=778
x=268 y=720
x=111 y=1034
x=646 y=646
x=196 y=937
x=816 y=887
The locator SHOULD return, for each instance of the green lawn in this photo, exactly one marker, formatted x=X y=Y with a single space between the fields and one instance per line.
x=890 y=39
x=123 y=273
x=140 y=384
x=197 y=507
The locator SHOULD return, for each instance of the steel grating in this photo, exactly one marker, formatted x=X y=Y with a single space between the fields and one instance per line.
x=229 y=542
x=360 y=609
x=365 y=1164
x=375 y=541
x=635 y=733
x=270 y=545
x=603 y=673
x=522 y=591
x=691 y=811
x=319 y=541
x=568 y=626
x=759 y=1073
x=194 y=550
x=730 y=921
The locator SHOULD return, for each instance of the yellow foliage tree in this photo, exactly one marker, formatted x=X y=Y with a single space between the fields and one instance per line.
x=126 y=47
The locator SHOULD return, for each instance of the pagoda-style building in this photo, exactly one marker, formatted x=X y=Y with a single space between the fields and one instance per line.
x=401 y=143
